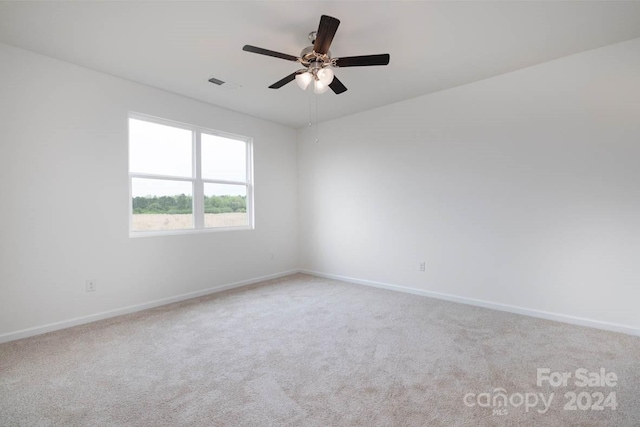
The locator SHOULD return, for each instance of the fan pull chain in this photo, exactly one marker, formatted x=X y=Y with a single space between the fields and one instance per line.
x=310 y=114
x=317 y=132
x=313 y=116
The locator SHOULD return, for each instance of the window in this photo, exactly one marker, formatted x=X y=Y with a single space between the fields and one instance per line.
x=184 y=178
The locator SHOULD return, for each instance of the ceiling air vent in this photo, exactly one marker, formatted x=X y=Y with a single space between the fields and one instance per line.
x=216 y=81
x=226 y=85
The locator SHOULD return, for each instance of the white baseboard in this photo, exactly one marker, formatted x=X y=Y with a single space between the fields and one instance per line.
x=581 y=321
x=24 y=333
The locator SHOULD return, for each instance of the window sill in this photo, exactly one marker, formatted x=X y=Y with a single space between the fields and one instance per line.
x=156 y=233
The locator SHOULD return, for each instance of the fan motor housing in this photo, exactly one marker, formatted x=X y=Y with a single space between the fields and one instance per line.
x=308 y=56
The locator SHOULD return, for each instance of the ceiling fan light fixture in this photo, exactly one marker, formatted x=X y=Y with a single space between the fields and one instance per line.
x=319 y=87
x=325 y=75
x=303 y=80
x=317 y=60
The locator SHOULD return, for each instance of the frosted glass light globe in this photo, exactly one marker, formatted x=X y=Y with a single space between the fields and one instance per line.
x=326 y=76
x=319 y=87
x=303 y=80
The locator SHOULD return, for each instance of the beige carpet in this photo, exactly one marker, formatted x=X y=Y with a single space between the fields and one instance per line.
x=304 y=351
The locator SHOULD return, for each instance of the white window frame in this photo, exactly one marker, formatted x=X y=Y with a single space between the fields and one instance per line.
x=196 y=180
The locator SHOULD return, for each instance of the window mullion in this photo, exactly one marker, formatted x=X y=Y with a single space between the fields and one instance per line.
x=223 y=181
x=198 y=186
x=159 y=177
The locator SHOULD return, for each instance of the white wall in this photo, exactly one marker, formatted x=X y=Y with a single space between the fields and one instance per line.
x=521 y=190
x=64 y=198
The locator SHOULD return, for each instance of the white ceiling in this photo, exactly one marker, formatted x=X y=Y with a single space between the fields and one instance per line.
x=178 y=45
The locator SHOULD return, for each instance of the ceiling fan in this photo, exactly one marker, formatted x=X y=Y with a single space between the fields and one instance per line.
x=318 y=62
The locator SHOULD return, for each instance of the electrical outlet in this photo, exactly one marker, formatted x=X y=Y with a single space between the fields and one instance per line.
x=90 y=285
x=422 y=266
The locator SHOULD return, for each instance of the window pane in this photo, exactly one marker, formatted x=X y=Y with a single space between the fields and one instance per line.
x=161 y=205
x=223 y=158
x=159 y=149
x=225 y=205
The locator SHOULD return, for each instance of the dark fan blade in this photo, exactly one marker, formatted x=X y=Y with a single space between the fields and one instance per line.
x=267 y=52
x=363 y=61
x=280 y=83
x=337 y=87
x=326 y=30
